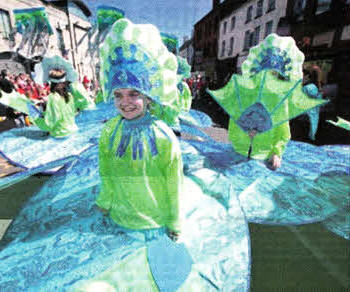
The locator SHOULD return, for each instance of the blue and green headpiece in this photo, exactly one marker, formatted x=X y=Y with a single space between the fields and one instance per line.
x=133 y=56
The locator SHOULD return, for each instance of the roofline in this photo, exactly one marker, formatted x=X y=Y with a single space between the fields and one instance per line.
x=61 y=3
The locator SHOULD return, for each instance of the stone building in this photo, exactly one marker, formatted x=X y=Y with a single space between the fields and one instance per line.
x=245 y=25
x=69 y=22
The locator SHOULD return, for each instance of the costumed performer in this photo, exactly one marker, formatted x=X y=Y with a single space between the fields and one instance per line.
x=261 y=101
x=143 y=181
x=59 y=116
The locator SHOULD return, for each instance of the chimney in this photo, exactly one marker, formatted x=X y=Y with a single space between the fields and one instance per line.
x=216 y=4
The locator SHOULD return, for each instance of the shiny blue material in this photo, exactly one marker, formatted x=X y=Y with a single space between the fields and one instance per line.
x=133 y=74
x=136 y=132
x=60 y=238
x=24 y=147
x=255 y=117
x=34 y=112
x=314 y=114
x=169 y=262
x=272 y=58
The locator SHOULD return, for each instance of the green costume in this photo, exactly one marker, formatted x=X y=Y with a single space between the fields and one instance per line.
x=59 y=117
x=278 y=138
x=185 y=96
x=265 y=97
x=140 y=160
x=140 y=193
x=82 y=100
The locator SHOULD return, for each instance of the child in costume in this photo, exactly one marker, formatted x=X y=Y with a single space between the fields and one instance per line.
x=262 y=100
x=140 y=186
x=139 y=156
x=59 y=116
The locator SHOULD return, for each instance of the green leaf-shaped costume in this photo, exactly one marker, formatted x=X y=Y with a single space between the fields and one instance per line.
x=265 y=98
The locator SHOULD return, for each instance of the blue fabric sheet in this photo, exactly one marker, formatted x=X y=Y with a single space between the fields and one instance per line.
x=60 y=239
x=31 y=148
x=311 y=186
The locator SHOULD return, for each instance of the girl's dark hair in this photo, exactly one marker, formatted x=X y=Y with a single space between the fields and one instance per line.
x=62 y=88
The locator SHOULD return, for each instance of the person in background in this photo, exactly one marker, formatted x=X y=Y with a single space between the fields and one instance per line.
x=59 y=116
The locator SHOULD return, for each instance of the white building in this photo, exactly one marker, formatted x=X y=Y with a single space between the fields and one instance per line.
x=247 y=26
x=68 y=29
x=186 y=51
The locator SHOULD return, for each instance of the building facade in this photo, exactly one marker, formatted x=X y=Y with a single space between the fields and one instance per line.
x=186 y=51
x=246 y=25
x=205 y=41
x=322 y=31
x=69 y=24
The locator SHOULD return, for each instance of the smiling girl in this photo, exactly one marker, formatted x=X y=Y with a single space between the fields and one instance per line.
x=139 y=155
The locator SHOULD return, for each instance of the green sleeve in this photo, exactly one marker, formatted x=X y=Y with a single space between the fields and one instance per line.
x=104 y=199
x=81 y=97
x=174 y=176
x=281 y=136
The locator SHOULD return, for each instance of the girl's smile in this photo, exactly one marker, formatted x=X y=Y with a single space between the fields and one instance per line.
x=130 y=103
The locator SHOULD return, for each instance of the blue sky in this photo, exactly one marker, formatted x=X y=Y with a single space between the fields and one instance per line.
x=171 y=16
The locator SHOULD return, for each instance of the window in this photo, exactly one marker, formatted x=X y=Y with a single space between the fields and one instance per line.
x=231 y=46
x=271 y=6
x=5 y=24
x=323 y=5
x=223 y=48
x=246 y=40
x=259 y=8
x=268 y=28
x=251 y=39
x=233 y=22
x=256 y=35
x=225 y=27
x=249 y=14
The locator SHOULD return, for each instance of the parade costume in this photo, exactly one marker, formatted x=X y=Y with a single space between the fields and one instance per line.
x=58 y=117
x=59 y=120
x=138 y=158
x=82 y=100
x=264 y=101
x=139 y=175
x=70 y=245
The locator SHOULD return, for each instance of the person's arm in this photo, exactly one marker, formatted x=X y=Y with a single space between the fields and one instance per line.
x=174 y=176
x=82 y=99
x=281 y=136
x=280 y=139
x=52 y=115
x=104 y=199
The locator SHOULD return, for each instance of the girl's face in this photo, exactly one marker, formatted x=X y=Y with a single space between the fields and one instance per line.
x=130 y=103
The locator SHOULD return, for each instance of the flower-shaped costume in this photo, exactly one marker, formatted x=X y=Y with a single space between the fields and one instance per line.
x=265 y=97
x=311 y=184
